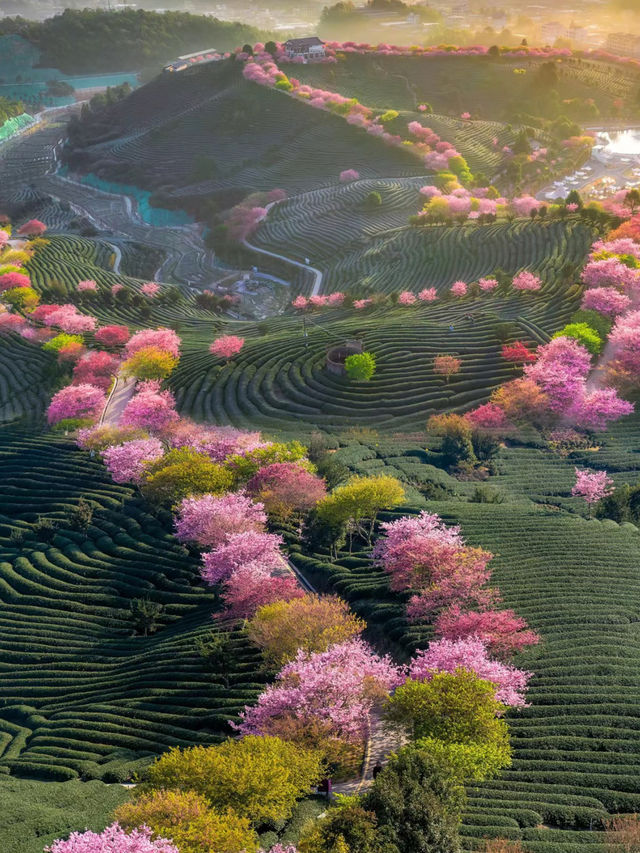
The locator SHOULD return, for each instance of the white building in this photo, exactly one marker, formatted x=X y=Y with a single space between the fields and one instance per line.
x=310 y=48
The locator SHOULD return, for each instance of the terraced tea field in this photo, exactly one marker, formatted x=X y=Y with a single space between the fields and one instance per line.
x=80 y=695
x=366 y=252
x=23 y=367
x=575 y=581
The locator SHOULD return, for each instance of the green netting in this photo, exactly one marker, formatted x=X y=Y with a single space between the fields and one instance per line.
x=14 y=125
x=158 y=216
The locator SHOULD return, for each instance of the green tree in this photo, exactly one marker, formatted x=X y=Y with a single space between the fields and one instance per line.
x=348 y=824
x=149 y=363
x=417 y=802
x=145 y=615
x=260 y=778
x=359 y=501
x=457 y=438
x=453 y=707
x=183 y=472
x=583 y=334
x=360 y=366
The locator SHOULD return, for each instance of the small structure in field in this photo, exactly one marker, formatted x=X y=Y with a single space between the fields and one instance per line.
x=337 y=355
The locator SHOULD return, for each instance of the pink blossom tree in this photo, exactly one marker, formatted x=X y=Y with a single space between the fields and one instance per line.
x=76 y=401
x=164 y=339
x=489 y=418
x=113 y=839
x=67 y=318
x=597 y=408
x=285 y=488
x=428 y=294
x=471 y=654
x=87 y=286
x=226 y=346
x=239 y=549
x=487 y=284
x=9 y=280
x=150 y=289
x=606 y=300
x=458 y=289
x=447 y=366
x=503 y=632
x=252 y=586
x=32 y=228
x=209 y=520
x=126 y=462
x=349 y=175
x=337 y=687
x=592 y=486
x=150 y=409
x=406 y=298
x=96 y=368
x=526 y=281
x=112 y=336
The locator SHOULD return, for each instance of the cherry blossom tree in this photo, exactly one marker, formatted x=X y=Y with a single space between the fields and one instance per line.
x=96 y=368
x=471 y=654
x=338 y=687
x=9 y=280
x=164 y=339
x=150 y=409
x=112 y=336
x=526 y=281
x=349 y=175
x=428 y=294
x=592 y=486
x=150 y=289
x=67 y=318
x=606 y=300
x=113 y=839
x=610 y=272
x=32 y=228
x=76 y=401
x=87 y=286
x=518 y=353
x=252 y=586
x=503 y=632
x=126 y=462
x=459 y=289
x=300 y=302
x=239 y=549
x=285 y=488
x=487 y=284
x=595 y=409
x=406 y=298
x=560 y=371
x=209 y=520
x=226 y=346
x=489 y=418
x=447 y=365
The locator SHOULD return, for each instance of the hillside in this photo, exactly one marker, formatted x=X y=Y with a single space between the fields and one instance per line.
x=210 y=134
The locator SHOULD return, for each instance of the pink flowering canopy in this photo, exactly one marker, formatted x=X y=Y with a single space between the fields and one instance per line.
x=32 y=228
x=9 y=280
x=428 y=294
x=252 y=586
x=68 y=319
x=406 y=298
x=150 y=289
x=471 y=654
x=97 y=368
x=502 y=631
x=489 y=417
x=606 y=300
x=126 y=462
x=112 y=336
x=459 y=288
x=338 y=686
x=88 y=285
x=76 y=401
x=592 y=486
x=150 y=409
x=226 y=346
x=286 y=486
x=526 y=281
x=164 y=339
x=250 y=546
x=113 y=839
x=209 y=520
x=349 y=175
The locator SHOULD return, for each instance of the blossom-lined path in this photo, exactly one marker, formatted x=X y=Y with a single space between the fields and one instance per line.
x=381 y=742
x=117 y=400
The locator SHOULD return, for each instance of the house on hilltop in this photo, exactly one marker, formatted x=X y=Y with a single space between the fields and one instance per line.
x=309 y=48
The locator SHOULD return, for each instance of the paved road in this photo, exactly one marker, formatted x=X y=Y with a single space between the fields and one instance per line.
x=117 y=400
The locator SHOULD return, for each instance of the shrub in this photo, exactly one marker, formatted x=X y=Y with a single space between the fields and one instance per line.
x=260 y=778
x=360 y=366
x=181 y=473
x=149 y=363
x=584 y=335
